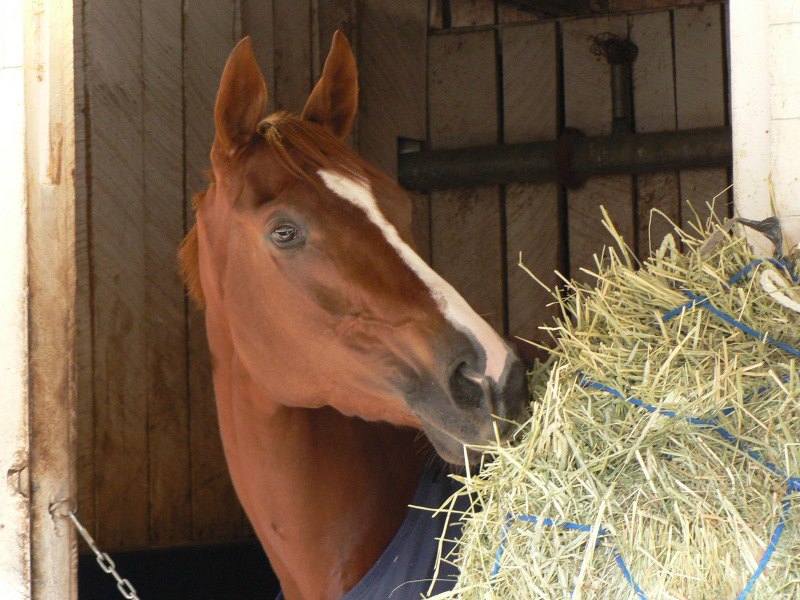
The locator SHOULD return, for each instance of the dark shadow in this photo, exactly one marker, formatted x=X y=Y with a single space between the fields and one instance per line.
x=237 y=570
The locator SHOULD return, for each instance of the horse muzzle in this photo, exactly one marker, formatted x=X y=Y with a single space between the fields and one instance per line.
x=464 y=410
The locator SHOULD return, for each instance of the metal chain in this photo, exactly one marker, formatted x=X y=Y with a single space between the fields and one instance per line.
x=106 y=563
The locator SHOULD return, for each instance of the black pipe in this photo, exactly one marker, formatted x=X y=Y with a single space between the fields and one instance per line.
x=570 y=160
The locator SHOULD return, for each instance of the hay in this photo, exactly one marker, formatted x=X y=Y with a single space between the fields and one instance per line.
x=597 y=483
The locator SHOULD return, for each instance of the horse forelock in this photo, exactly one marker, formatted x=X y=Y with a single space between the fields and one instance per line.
x=302 y=148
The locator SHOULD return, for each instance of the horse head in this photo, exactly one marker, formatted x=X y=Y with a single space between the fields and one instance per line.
x=303 y=256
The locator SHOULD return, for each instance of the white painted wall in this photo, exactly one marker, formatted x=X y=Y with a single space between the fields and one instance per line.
x=14 y=503
x=765 y=108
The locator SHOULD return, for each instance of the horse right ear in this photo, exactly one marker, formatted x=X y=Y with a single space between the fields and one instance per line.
x=241 y=100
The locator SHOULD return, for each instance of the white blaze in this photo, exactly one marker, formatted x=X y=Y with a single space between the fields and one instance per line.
x=454 y=308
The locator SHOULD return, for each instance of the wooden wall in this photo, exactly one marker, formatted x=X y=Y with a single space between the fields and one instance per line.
x=150 y=465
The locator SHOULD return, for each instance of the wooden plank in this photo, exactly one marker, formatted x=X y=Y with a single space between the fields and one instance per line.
x=258 y=23
x=293 y=52
x=467 y=248
x=700 y=101
x=508 y=13
x=330 y=16
x=587 y=91
x=15 y=548
x=208 y=39
x=468 y=13
x=50 y=179
x=165 y=318
x=83 y=295
x=530 y=113
x=114 y=84
x=436 y=13
x=654 y=109
x=393 y=100
x=342 y=15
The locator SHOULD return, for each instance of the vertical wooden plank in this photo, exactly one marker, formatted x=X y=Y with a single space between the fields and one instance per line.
x=587 y=98
x=15 y=505
x=468 y=13
x=392 y=100
x=700 y=100
x=330 y=16
x=467 y=247
x=654 y=109
x=114 y=79
x=530 y=113
x=49 y=173
x=208 y=39
x=435 y=13
x=293 y=49
x=83 y=295
x=258 y=23
x=165 y=324
x=342 y=15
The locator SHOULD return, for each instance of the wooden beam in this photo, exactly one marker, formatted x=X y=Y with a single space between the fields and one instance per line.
x=50 y=179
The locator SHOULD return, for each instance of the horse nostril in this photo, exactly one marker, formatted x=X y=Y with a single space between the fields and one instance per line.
x=468 y=388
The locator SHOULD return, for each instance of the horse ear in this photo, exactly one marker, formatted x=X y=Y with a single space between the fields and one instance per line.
x=334 y=100
x=242 y=98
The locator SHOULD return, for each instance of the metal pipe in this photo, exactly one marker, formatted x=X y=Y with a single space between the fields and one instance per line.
x=570 y=160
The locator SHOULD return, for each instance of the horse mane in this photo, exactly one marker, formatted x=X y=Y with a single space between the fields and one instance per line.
x=303 y=148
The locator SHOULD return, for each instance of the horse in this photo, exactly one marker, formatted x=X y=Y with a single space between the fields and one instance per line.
x=333 y=344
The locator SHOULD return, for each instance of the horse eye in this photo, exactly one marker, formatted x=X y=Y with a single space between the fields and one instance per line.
x=283 y=235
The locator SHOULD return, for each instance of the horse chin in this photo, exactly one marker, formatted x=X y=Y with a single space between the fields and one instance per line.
x=449 y=448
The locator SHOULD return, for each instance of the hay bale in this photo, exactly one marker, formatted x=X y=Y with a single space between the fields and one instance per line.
x=657 y=460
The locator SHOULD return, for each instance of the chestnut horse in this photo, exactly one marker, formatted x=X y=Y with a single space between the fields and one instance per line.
x=333 y=343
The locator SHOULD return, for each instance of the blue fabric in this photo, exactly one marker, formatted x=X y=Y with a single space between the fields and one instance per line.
x=405 y=569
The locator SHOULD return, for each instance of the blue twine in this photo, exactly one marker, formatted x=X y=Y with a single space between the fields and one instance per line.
x=792 y=483
x=704 y=302
x=768 y=552
x=601 y=533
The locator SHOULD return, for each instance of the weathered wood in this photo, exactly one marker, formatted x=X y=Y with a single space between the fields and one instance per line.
x=208 y=39
x=344 y=16
x=467 y=247
x=700 y=101
x=587 y=91
x=467 y=13
x=165 y=319
x=654 y=110
x=114 y=84
x=435 y=14
x=509 y=13
x=530 y=113
x=258 y=23
x=50 y=173
x=293 y=52
x=15 y=568
x=330 y=16
x=83 y=296
x=392 y=100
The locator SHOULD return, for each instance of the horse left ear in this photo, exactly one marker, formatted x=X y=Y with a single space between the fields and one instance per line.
x=334 y=100
x=241 y=99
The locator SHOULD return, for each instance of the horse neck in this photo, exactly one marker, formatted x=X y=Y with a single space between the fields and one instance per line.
x=325 y=493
